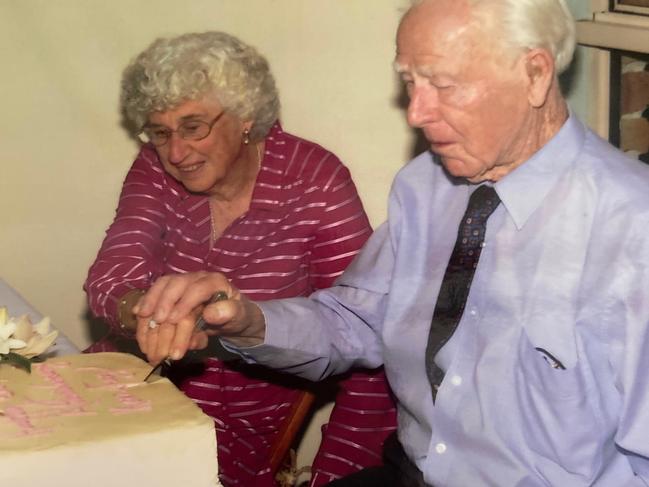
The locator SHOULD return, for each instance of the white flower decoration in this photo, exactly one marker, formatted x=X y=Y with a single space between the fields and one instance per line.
x=20 y=336
x=37 y=338
x=7 y=343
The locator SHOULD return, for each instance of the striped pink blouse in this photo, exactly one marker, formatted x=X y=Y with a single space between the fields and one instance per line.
x=304 y=226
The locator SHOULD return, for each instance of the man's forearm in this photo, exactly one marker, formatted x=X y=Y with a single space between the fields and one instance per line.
x=306 y=337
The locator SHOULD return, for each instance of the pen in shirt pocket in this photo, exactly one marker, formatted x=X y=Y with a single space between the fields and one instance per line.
x=554 y=362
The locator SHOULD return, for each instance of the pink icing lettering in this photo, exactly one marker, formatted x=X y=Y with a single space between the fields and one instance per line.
x=5 y=393
x=129 y=402
x=67 y=402
x=20 y=418
x=110 y=379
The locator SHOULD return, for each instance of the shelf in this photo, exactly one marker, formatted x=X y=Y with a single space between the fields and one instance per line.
x=615 y=31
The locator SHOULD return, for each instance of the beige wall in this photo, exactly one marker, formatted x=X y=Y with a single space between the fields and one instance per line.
x=64 y=154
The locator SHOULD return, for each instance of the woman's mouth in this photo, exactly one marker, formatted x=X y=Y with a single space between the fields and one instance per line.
x=190 y=168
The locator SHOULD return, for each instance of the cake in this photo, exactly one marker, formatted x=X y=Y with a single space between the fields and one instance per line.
x=90 y=420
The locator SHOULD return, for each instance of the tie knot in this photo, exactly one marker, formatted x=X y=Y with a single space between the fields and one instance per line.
x=483 y=201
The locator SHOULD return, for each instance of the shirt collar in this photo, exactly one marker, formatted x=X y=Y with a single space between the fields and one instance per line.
x=523 y=190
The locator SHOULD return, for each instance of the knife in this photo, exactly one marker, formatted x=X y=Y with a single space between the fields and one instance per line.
x=200 y=325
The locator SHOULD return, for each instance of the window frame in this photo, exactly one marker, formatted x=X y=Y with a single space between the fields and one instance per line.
x=602 y=31
x=617 y=6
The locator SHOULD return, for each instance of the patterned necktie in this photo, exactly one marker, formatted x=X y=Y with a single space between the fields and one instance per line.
x=458 y=276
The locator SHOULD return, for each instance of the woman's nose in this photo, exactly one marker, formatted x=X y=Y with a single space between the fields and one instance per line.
x=177 y=148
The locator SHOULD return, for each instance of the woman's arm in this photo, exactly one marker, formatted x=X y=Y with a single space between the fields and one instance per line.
x=130 y=255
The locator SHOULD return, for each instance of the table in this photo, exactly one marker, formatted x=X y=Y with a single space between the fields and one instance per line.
x=17 y=306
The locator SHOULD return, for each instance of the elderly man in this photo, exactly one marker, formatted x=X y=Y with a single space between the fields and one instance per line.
x=533 y=369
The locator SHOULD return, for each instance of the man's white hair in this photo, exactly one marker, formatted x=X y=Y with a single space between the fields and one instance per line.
x=528 y=24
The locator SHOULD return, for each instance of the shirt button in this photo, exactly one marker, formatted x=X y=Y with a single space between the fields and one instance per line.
x=473 y=312
x=440 y=448
x=456 y=380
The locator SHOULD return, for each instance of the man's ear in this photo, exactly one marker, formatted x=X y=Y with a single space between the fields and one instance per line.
x=539 y=68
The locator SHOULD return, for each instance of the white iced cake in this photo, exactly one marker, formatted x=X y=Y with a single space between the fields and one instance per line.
x=90 y=420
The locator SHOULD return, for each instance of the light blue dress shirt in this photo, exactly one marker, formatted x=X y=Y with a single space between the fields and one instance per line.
x=565 y=268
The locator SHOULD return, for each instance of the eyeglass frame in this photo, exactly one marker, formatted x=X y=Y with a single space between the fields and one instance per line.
x=144 y=137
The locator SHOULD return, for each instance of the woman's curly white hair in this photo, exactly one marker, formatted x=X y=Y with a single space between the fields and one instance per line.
x=191 y=66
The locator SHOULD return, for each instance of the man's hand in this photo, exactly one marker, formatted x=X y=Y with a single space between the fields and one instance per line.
x=174 y=303
x=168 y=340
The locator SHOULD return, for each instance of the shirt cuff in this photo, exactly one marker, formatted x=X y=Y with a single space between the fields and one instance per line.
x=279 y=329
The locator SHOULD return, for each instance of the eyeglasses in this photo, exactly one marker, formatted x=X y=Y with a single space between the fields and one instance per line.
x=188 y=130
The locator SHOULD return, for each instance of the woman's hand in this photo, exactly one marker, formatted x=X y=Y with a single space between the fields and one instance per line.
x=169 y=340
x=174 y=302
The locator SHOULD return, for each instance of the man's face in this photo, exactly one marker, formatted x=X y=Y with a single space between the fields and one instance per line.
x=469 y=100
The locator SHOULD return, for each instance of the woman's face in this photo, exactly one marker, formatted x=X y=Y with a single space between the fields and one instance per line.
x=202 y=166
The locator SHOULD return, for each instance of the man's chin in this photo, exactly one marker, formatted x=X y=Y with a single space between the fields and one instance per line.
x=459 y=169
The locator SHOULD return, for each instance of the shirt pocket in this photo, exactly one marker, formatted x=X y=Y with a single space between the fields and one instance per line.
x=559 y=419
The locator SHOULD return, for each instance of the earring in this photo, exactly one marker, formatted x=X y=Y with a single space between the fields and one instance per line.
x=246 y=136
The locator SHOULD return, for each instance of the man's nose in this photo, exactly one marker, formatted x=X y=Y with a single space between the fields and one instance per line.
x=423 y=106
x=177 y=148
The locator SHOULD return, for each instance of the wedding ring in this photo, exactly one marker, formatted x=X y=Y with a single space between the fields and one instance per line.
x=153 y=324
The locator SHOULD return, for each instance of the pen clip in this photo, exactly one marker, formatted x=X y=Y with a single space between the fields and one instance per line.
x=554 y=362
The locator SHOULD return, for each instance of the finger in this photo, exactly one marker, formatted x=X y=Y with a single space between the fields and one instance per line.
x=183 y=333
x=225 y=319
x=151 y=344
x=240 y=321
x=225 y=311
x=141 y=333
x=170 y=292
x=198 y=341
x=199 y=291
x=147 y=303
x=164 y=335
x=164 y=294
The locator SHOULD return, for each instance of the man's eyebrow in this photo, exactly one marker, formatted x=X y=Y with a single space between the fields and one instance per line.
x=425 y=70
x=398 y=67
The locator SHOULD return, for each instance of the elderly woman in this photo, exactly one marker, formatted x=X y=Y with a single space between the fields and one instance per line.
x=218 y=186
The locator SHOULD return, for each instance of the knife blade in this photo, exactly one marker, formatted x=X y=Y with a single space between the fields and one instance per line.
x=200 y=325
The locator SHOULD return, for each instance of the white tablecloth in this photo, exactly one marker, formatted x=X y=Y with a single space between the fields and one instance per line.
x=17 y=306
